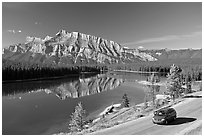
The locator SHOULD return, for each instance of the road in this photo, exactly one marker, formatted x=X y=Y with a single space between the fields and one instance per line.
x=188 y=113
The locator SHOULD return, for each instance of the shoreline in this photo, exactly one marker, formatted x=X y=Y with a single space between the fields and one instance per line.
x=132 y=71
x=48 y=78
x=71 y=75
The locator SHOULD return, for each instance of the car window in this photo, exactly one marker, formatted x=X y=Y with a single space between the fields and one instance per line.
x=159 y=113
x=170 y=111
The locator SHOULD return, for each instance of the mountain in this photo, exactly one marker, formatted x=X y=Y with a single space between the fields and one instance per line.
x=73 y=48
x=166 y=54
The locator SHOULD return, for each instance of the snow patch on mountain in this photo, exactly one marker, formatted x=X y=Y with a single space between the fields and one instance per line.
x=158 y=53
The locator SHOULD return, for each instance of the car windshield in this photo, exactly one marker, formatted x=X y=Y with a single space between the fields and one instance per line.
x=159 y=113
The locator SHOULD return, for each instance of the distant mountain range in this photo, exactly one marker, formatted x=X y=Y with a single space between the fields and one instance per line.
x=164 y=54
x=77 y=48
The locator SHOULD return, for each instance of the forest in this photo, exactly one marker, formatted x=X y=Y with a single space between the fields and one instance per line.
x=12 y=71
x=191 y=68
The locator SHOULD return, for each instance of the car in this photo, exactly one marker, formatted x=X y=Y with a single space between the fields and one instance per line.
x=164 y=115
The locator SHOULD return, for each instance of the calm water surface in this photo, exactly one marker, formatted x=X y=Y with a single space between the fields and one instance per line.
x=44 y=107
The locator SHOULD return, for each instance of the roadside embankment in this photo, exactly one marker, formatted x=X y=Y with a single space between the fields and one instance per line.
x=132 y=113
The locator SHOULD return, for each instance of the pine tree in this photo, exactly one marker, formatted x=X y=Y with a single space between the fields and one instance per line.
x=125 y=101
x=188 y=82
x=77 y=121
x=174 y=81
x=153 y=79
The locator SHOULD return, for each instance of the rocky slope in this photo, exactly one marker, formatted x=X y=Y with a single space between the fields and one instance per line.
x=73 y=48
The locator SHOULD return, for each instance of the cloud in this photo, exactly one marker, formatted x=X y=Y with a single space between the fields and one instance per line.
x=159 y=39
x=194 y=34
x=37 y=23
x=14 y=31
x=11 y=31
x=165 y=38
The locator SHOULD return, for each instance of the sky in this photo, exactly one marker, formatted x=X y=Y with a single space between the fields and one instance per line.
x=132 y=24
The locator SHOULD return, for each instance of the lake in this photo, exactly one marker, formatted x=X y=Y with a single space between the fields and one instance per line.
x=44 y=107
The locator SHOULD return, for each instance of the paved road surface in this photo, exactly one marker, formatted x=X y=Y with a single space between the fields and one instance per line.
x=188 y=113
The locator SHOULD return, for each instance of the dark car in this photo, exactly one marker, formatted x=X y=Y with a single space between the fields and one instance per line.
x=164 y=115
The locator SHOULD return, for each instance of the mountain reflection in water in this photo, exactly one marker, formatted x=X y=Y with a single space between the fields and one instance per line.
x=74 y=87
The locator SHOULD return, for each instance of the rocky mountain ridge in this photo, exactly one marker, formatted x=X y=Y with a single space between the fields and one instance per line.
x=73 y=48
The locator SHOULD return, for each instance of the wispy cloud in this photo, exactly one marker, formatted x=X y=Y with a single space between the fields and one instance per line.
x=159 y=39
x=14 y=31
x=165 y=38
x=194 y=34
x=37 y=23
x=11 y=31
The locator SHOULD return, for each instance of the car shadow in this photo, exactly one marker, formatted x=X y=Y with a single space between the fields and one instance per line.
x=191 y=96
x=181 y=120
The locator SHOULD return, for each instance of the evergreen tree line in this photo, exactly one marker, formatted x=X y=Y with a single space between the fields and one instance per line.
x=193 y=73
x=190 y=68
x=21 y=71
